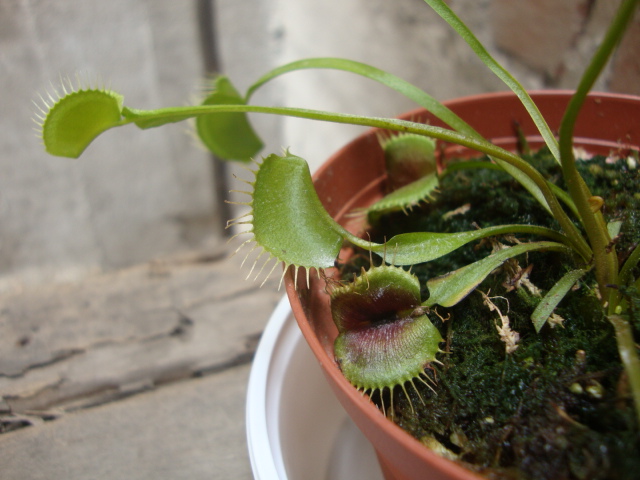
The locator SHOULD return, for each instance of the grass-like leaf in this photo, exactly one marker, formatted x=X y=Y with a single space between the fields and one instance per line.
x=451 y=288
x=419 y=247
x=554 y=296
x=367 y=71
x=605 y=259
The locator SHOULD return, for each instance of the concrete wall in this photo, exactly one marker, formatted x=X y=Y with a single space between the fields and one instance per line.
x=134 y=195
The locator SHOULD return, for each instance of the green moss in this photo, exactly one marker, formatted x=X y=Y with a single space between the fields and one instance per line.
x=557 y=407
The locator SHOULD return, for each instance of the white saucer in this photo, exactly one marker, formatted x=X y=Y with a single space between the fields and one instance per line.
x=296 y=429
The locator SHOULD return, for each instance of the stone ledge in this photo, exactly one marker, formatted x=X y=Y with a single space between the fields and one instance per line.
x=188 y=430
x=72 y=346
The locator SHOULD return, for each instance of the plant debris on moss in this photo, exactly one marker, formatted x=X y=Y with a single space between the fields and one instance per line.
x=557 y=405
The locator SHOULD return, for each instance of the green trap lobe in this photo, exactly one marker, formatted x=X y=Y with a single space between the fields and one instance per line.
x=79 y=117
x=289 y=220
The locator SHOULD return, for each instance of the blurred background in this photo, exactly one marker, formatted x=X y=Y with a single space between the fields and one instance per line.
x=90 y=247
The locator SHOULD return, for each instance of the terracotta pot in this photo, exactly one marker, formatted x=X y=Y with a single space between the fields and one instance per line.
x=354 y=177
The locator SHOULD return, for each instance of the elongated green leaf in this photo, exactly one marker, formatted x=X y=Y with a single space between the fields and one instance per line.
x=145 y=119
x=544 y=193
x=451 y=288
x=150 y=118
x=419 y=247
x=156 y=117
x=628 y=351
x=471 y=164
x=632 y=262
x=604 y=257
x=625 y=277
x=442 y=9
x=396 y=83
x=76 y=119
x=554 y=296
x=527 y=182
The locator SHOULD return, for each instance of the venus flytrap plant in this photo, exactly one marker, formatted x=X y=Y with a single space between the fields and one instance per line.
x=393 y=343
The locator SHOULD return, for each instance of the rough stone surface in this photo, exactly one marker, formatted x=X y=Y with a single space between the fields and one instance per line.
x=136 y=374
x=625 y=74
x=540 y=32
x=134 y=195
x=557 y=40
x=73 y=345
x=192 y=429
